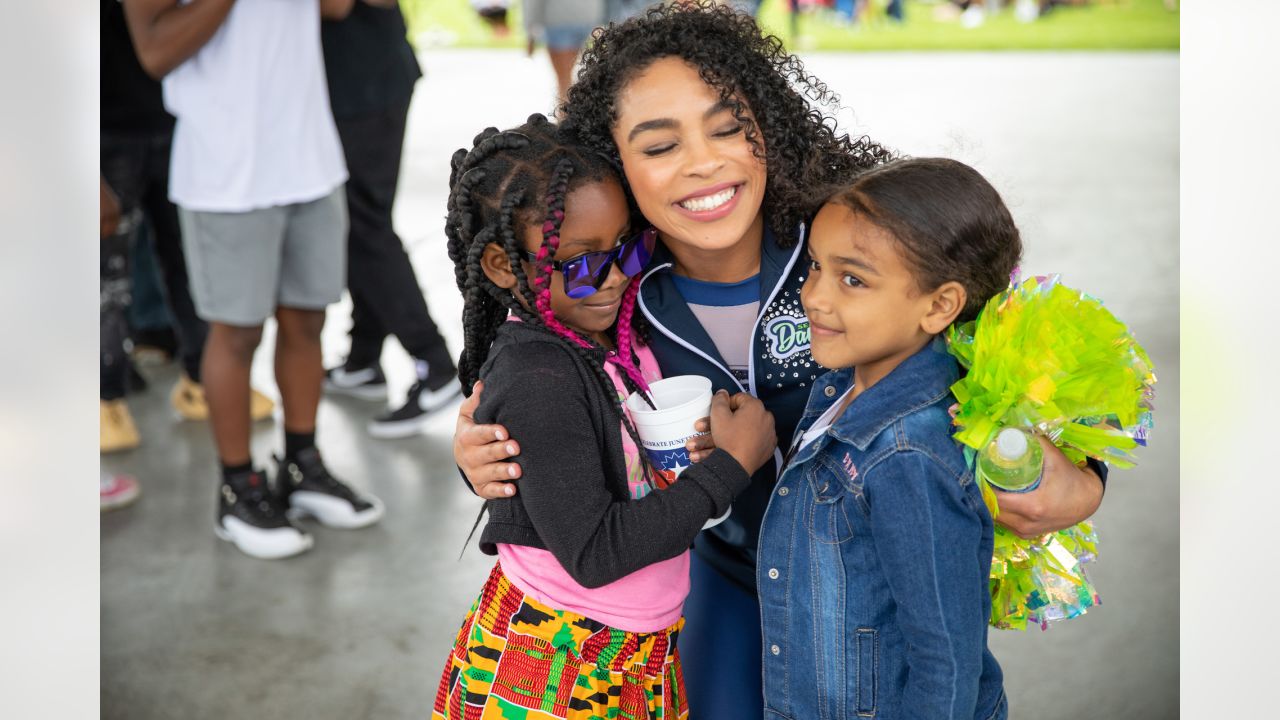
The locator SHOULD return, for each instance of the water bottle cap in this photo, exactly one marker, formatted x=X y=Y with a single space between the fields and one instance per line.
x=1011 y=443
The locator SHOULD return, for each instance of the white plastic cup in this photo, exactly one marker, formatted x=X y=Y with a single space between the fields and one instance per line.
x=681 y=401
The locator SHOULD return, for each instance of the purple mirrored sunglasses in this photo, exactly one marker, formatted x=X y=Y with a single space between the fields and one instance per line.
x=584 y=274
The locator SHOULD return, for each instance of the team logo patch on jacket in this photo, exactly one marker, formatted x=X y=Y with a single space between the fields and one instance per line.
x=783 y=341
x=786 y=336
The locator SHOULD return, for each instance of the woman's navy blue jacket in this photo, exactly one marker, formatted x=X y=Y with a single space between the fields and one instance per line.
x=781 y=374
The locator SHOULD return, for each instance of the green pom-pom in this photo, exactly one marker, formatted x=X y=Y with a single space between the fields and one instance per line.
x=1043 y=356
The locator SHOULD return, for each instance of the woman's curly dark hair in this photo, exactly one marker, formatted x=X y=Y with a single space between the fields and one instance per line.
x=801 y=147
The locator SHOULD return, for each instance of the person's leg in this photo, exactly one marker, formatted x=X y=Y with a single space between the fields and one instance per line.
x=234 y=261
x=148 y=313
x=384 y=287
x=720 y=647
x=113 y=331
x=562 y=61
x=299 y=367
x=370 y=220
x=312 y=267
x=367 y=331
x=228 y=359
x=120 y=166
x=116 y=428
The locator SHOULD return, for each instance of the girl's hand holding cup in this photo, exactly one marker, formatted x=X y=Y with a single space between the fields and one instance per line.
x=743 y=428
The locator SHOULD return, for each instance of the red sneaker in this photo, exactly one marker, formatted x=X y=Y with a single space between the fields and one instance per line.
x=116 y=491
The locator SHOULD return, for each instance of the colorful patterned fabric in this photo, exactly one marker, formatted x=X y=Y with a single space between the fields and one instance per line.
x=517 y=659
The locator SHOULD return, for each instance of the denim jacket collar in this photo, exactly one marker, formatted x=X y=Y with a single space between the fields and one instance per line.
x=920 y=380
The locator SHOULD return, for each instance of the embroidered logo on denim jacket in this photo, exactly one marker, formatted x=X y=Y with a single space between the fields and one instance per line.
x=849 y=468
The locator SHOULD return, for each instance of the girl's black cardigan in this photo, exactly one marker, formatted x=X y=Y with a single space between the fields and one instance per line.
x=573 y=499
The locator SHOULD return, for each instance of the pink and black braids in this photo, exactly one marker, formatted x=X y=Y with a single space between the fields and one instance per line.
x=622 y=357
x=509 y=181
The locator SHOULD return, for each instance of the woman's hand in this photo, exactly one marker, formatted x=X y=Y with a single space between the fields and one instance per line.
x=480 y=451
x=1067 y=495
x=743 y=428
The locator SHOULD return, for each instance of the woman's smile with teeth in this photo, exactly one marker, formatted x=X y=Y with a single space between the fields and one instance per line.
x=709 y=202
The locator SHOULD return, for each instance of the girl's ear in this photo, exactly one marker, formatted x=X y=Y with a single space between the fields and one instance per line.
x=497 y=266
x=947 y=302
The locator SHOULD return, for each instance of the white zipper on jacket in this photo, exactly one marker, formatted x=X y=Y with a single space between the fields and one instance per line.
x=755 y=328
x=778 y=460
x=679 y=340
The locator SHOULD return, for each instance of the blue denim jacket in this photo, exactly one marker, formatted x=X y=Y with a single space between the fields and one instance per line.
x=874 y=559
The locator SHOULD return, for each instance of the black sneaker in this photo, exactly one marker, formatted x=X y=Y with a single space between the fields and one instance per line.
x=253 y=517
x=423 y=400
x=366 y=383
x=308 y=488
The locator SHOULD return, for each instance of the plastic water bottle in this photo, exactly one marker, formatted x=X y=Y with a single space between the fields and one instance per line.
x=1013 y=462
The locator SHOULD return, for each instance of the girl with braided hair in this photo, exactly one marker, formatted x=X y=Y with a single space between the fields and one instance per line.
x=579 y=616
x=727 y=145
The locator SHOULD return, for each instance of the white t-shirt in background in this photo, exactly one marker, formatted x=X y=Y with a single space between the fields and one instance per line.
x=254 y=125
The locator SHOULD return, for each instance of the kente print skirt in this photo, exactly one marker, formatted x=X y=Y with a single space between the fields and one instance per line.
x=517 y=658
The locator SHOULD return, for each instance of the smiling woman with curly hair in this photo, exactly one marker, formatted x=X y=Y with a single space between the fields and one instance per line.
x=780 y=106
x=728 y=147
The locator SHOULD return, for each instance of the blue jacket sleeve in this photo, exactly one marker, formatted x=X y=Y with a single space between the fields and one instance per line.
x=927 y=538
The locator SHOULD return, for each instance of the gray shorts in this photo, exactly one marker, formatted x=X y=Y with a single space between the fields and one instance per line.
x=243 y=265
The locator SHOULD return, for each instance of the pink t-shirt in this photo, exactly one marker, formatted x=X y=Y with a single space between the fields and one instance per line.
x=648 y=600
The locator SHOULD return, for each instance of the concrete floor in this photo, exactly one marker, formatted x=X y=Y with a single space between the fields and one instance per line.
x=1084 y=148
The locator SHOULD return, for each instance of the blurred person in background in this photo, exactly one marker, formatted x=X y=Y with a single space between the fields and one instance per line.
x=257 y=174
x=863 y=11
x=136 y=134
x=494 y=14
x=563 y=26
x=116 y=428
x=619 y=10
x=372 y=70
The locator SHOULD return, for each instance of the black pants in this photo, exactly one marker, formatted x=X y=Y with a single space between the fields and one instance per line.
x=113 y=305
x=136 y=166
x=385 y=296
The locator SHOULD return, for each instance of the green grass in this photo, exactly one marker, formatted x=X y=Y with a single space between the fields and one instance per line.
x=452 y=23
x=1101 y=25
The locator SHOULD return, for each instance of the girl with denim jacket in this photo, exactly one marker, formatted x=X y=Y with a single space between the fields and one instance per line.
x=875 y=549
